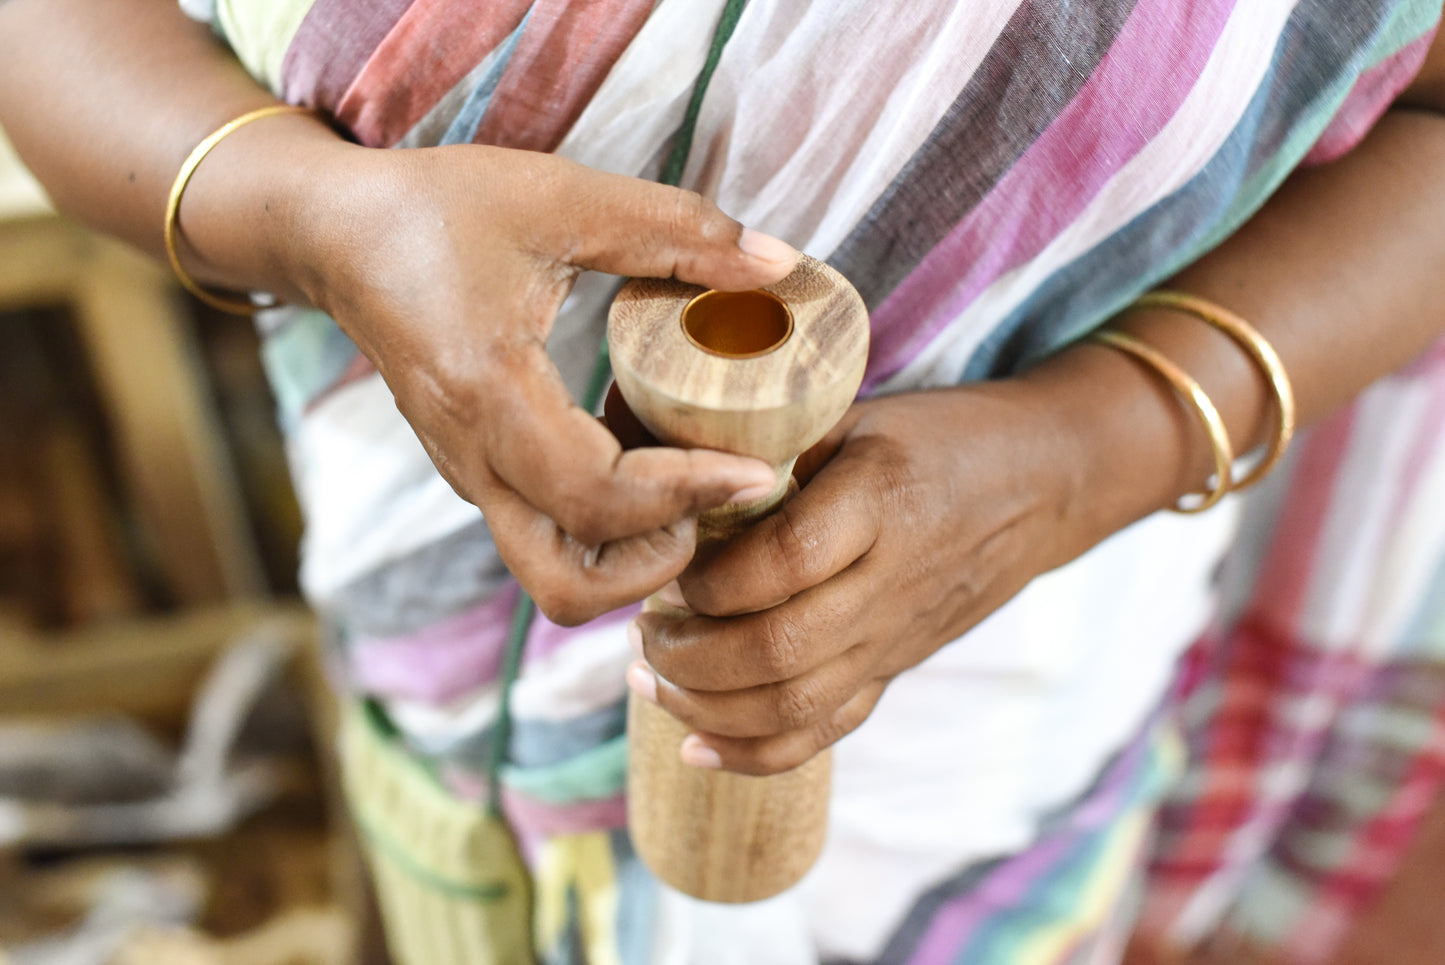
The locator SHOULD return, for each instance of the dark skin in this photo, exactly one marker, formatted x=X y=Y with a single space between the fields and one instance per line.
x=453 y=311
x=941 y=504
x=801 y=623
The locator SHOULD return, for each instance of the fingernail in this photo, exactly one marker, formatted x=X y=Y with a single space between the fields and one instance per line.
x=750 y=494
x=634 y=638
x=672 y=595
x=766 y=247
x=695 y=753
x=642 y=681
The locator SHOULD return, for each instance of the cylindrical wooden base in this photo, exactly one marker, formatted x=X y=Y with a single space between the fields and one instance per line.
x=716 y=835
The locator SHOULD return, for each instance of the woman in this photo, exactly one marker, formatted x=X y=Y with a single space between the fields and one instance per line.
x=976 y=564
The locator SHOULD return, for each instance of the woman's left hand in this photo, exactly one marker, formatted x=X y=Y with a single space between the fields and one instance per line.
x=919 y=515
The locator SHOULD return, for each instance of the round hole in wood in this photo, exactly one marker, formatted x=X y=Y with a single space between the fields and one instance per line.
x=737 y=325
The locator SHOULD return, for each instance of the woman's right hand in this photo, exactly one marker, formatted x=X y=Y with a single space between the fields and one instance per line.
x=447 y=267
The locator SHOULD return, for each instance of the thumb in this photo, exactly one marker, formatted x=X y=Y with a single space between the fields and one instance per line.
x=628 y=226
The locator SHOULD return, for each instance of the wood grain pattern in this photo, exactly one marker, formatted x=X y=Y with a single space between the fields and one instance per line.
x=772 y=406
x=716 y=835
x=145 y=362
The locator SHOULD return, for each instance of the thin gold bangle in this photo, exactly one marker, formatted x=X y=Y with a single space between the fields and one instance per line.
x=173 y=206
x=1259 y=349
x=1194 y=394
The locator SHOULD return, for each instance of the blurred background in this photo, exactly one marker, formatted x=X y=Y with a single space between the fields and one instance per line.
x=162 y=798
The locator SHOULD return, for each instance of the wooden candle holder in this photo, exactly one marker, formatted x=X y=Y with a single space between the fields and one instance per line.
x=764 y=374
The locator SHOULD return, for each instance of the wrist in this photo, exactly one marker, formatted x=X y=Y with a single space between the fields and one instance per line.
x=1142 y=442
x=1128 y=445
x=250 y=210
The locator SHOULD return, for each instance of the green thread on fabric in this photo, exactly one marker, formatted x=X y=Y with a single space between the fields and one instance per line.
x=594 y=774
x=395 y=852
x=388 y=775
x=516 y=638
x=682 y=143
x=601 y=369
x=601 y=372
x=676 y=161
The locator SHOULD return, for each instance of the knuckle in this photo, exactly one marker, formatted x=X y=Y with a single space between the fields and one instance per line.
x=495 y=357
x=693 y=215
x=780 y=649
x=796 y=705
x=777 y=757
x=893 y=479
x=563 y=605
x=834 y=728
x=580 y=514
x=791 y=548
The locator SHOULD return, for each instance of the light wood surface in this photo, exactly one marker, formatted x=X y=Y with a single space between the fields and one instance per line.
x=148 y=669
x=771 y=406
x=761 y=386
x=166 y=432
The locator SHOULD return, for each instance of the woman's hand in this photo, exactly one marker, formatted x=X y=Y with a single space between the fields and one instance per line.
x=447 y=267
x=920 y=515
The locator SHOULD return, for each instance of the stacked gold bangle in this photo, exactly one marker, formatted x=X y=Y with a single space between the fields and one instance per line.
x=235 y=306
x=1258 y=348
x=1264 y=356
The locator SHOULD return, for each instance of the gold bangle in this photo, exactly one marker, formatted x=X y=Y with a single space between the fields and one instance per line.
x=173 y=206
x=1192 y=393
x=1259 y=349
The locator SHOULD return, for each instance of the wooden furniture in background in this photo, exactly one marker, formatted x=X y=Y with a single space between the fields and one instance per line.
x=120 y=480
x=141 y=353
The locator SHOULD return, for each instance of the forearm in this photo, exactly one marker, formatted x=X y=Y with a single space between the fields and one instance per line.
x=1341 y=272
x=105 y=101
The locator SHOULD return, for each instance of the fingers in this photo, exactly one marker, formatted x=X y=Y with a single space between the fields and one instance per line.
x=584 y=525
x=776 y=753
x=817 y=534
x=574 y=471
x=802 y=702
x=710 y=654
x=812 y=461
x=628 y=226
x=572 y=582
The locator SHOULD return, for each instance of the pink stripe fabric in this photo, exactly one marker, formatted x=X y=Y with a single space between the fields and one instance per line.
x=456 y=656
x=1056 y=177
x=538 y=820
x=1368 y=99
x=568 y=49
x=535 y=820
x=431 y=49
x=442 y=662
x=1375 y=856
x=960 y=919
x=1285 y=577
x=1293 y=716
x=546 y=638
x=1017 y=881
x=332 y=45
x=1429 y=368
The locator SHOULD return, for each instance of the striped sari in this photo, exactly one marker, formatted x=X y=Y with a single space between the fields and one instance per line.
x=997 y=178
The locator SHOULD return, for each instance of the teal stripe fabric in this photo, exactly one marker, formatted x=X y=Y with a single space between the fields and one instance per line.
x=1313 y=72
